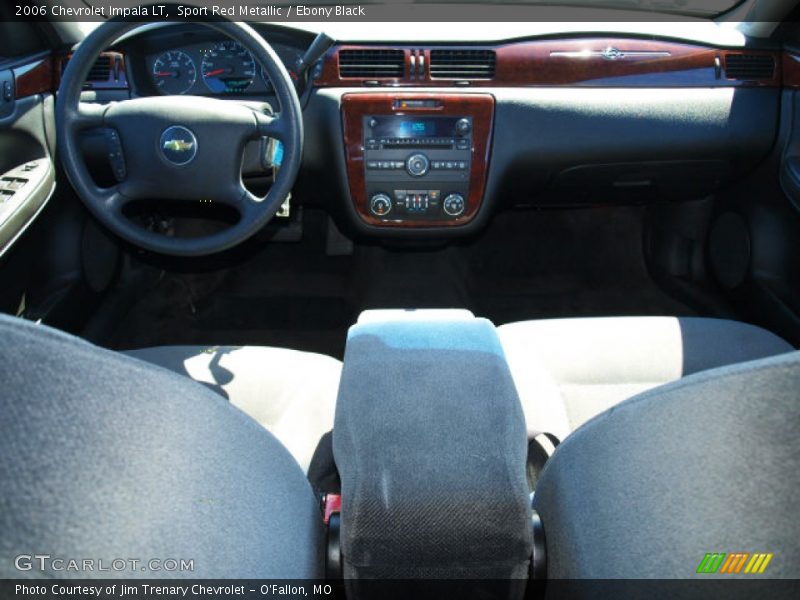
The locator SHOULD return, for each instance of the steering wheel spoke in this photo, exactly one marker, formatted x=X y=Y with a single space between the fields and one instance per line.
x=111 y=199
x=272 y=126
x=242 y=200
x=89 y=116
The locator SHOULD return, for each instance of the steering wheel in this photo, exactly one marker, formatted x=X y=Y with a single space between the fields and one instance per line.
x=185 y=148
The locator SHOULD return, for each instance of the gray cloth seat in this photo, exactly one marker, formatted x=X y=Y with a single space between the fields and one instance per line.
x=290 y=393
x=106 y=456
x=569 y=370
x=709 y=464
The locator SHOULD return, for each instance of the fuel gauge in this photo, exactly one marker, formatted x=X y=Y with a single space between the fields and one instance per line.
x=291 y=60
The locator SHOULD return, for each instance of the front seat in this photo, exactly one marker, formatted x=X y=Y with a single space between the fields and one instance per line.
x=290 y=393
x=694 y=479
x=105 y=456
x=569 y=370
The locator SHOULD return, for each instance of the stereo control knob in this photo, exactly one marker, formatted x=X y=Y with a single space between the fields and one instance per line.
x=454 y=205
x=463 y=126
x=380 y=205
x=417 y=165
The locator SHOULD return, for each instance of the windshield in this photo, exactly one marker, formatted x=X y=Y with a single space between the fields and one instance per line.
x=696 y=8
x=699 y=8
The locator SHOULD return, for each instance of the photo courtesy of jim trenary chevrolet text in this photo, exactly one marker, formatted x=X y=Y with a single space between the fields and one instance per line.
x=471 y=299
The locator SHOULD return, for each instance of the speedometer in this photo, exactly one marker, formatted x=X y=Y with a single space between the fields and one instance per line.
x=228 y=68
x=174 y=72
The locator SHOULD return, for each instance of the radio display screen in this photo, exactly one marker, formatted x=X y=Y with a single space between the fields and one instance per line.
x=417 y=128
x=408 y=127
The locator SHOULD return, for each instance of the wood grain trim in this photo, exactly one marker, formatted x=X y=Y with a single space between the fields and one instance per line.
x=357 y=105
x=791 y=69
x=547 y=63
x=533 y=63
x=35 y=78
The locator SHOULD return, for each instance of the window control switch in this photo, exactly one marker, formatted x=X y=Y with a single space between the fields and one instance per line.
x=12 y=183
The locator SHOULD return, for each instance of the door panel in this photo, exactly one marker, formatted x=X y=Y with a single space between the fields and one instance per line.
x=27 y=171
x=790 y=163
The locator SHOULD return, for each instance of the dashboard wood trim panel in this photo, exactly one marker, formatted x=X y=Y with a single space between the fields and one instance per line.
x=577 y=61
x=355 y=106
x=791 y=69
x=35 y=78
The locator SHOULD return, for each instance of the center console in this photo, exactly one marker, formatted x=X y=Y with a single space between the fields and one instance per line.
x=436 y=491
x=417 y=160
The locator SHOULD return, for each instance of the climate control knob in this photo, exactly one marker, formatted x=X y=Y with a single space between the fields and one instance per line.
x=454 y=205
x=417 y=165
x=380 y=205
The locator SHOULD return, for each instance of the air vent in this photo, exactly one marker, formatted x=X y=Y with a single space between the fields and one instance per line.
x=372 y=63
x=462 y=64
x=749 y=66
x=100 y=71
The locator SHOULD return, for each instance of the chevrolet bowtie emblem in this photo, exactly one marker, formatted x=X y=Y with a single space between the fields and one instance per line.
x=612 y=53
x=178 y=145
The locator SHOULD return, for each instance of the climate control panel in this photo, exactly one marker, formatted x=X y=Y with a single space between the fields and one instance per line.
x=417 y=202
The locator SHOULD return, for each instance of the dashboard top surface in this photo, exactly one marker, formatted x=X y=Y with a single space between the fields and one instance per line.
x=687 y=29
x=192 y=59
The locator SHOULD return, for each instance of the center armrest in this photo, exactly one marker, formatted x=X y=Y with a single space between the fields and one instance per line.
x=430 y=442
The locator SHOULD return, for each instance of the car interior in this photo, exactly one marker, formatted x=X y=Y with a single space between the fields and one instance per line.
x=352 y=302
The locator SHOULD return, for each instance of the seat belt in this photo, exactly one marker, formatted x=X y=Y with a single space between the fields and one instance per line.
x=542 y=438
x=541 y=446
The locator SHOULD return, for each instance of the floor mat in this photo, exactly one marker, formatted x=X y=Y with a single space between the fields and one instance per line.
x=565 y=263
x=526 y=265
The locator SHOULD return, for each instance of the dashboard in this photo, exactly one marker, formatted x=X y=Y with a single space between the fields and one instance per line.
x=548 y=121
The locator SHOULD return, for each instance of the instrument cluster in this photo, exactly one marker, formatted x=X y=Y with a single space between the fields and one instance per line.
x=219 y=68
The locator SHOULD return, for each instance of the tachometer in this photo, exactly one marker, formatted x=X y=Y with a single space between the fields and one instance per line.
x=174 y=72
x=228 y=68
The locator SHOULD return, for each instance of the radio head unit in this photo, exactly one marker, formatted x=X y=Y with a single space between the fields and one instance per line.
x=392 y=131
x=417 y=166
x=416 y=161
